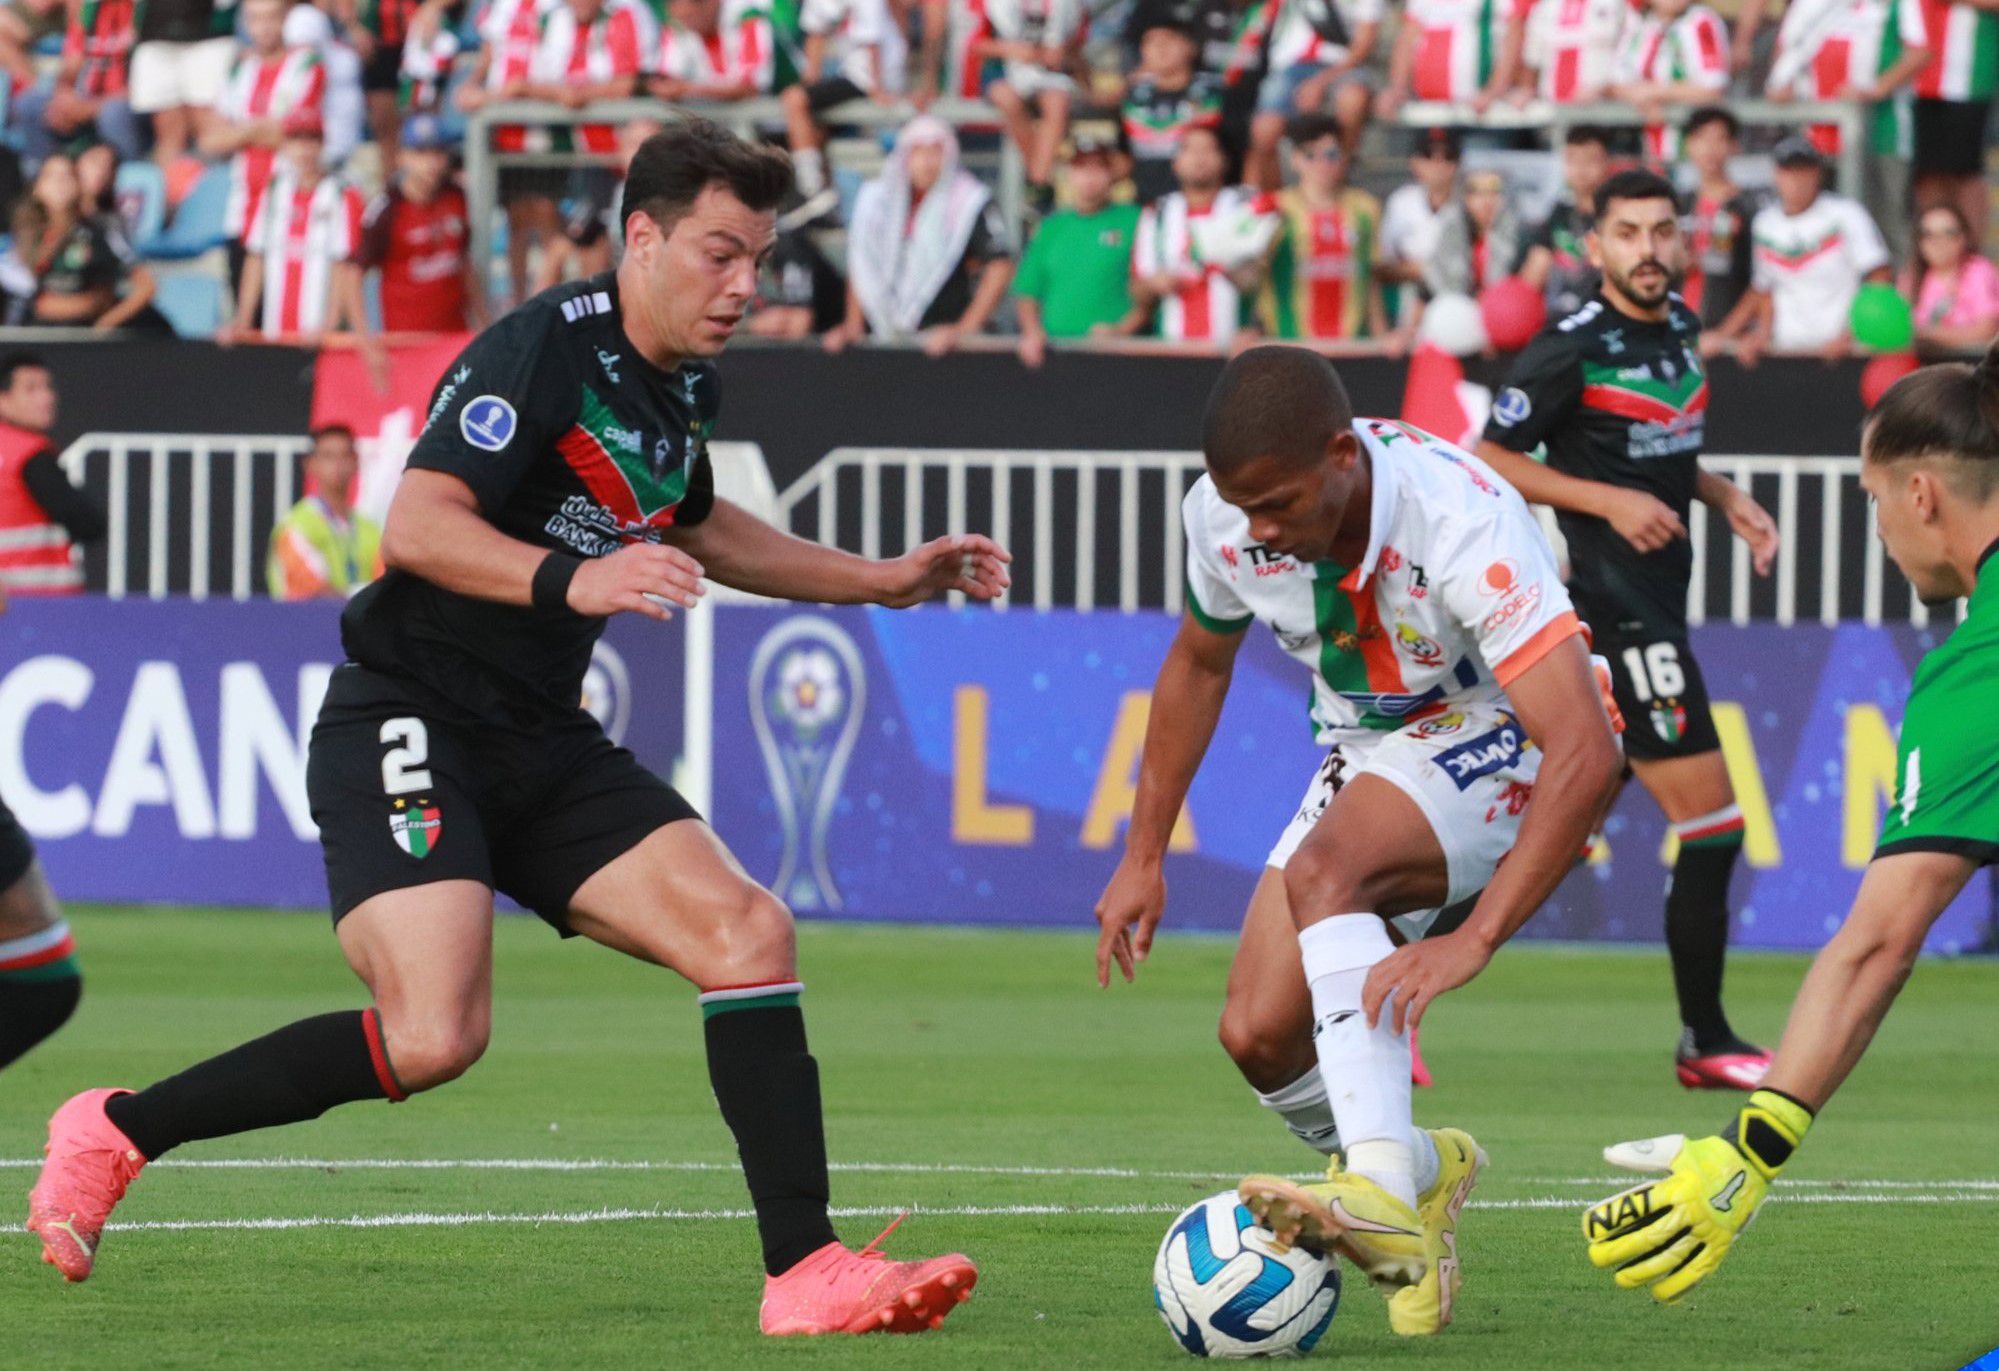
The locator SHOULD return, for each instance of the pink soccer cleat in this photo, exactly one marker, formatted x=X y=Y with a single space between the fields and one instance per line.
x=838 y=1290
x=1743 y=1070
x=90 y=1163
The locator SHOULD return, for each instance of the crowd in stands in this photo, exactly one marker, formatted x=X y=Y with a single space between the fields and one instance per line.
x=1197 y=171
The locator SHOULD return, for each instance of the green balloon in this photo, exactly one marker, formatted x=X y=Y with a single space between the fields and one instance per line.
x=1882 y=320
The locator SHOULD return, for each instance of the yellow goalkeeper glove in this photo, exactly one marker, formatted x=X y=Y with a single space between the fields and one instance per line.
x=1669 y=1234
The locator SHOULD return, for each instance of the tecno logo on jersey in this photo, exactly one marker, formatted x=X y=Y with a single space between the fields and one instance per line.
x=1501 y=581
x=1483 y=755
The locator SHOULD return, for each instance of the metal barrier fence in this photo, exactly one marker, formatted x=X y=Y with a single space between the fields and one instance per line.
x=1101 y=530
x=192 y=515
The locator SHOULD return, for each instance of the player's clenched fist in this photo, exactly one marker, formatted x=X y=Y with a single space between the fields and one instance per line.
x=641 y=579
x=1669 y=1234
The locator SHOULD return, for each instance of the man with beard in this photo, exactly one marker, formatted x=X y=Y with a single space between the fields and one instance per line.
x=1617 y=392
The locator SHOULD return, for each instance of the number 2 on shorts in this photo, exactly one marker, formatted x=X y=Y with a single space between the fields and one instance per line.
x=403 y=768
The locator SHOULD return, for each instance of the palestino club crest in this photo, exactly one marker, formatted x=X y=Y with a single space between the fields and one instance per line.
x=1669 y=720
x=416 y=825
x=808 y=692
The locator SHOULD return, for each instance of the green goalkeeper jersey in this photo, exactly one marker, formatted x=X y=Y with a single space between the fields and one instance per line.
x=1947 y=768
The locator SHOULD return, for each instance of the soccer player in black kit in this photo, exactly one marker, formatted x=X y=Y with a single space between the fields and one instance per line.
x=562 y=476
x=1618 y=393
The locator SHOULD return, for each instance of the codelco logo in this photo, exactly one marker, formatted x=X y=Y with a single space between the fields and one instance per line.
x=1501 y=581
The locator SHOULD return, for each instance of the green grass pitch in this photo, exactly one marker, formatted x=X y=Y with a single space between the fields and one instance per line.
x=981 y=1079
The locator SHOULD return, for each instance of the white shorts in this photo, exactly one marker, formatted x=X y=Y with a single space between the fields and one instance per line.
x=1029 y=80
x=168 y=75
x=1470 y=772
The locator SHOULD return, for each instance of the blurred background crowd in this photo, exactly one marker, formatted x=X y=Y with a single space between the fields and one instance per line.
x=1371 y=174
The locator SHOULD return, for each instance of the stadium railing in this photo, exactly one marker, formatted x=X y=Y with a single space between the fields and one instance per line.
x=1850 y=117
x=1093 y=530
x=1101 y=530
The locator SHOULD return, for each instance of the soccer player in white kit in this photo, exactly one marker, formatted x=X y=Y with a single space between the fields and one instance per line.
x=1453 y=689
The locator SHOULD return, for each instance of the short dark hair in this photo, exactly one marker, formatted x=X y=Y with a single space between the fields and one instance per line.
x=1579 y=134
x=1274 y=401
x=14 y=363
x=1310 y=127
x=333 y=430
x=1714 y=114
x=1634 y=183
x=1949 y=410
x=1207 y=130
x=672 y=168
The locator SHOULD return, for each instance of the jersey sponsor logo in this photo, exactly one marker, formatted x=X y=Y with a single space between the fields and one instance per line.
x=1483 y=755
x=1264 y=562
x=1512 y=407
x=1391 y=560
x=1472 y=473
x=1500 y=577
x=445 y=395
x=487 y=422
x=1443 y=726
x=416 y=826
x=1421 y=649
x=1230 y=557
x=609 y=361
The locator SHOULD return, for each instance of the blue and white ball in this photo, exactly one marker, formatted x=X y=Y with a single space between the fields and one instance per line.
x=1226 y=1289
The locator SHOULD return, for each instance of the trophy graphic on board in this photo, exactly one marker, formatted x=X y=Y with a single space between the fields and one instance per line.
x=808 y=691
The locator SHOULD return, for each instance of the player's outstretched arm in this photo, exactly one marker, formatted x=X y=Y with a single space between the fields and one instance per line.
x=1186 y=704
x=1668 y=1235
x=435 y=530
x=1560 y=706
x=1749 y=521
x=742 y=551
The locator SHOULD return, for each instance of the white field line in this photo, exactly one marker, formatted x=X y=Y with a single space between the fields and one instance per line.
x=561 y=1165
x=615 y=1215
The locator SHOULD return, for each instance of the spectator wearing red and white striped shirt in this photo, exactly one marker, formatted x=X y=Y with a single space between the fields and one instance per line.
x=714 y=51
x=503 y=69
x=1567 y=49
x=267 y=84
x=90 y=90
x=1450 y=50
x=299 y=277
x=594 y=50
x=1677 y=53
x=1199 y=253
x=1852 y=50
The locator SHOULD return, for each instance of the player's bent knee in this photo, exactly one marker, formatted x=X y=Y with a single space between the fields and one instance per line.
x=1260 y=1050
x=750 y=941
x=1323 y=876
x=425 y=1054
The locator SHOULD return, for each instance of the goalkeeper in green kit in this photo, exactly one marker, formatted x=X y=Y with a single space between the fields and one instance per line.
x=1930 y=463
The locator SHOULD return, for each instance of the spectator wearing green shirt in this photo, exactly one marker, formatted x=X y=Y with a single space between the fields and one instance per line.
x=1075 y=279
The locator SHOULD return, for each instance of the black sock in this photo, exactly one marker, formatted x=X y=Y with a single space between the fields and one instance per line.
x=768 y=1087
x=294 y=1074
x=1697 y=937
x=30 y=1010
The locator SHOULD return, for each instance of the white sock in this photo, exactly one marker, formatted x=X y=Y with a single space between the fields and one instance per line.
x=1306 y=1112
x=808 y=166
x=1366 y=1070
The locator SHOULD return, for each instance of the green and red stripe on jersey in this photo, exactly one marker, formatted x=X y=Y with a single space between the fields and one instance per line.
x=1356 y=655
x=619 y=478
x=1646 y=399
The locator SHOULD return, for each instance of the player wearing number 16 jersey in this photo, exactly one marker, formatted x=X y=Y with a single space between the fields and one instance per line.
x=563 y=476
x=1618 y=394
x=1452 y=689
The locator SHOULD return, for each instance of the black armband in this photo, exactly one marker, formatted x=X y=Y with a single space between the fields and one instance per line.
x=551 y=581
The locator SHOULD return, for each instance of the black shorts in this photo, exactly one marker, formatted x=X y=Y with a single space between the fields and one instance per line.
x=824 y=94
x=17 y=854
x=384 y=68
x=1661 y=694
x=1950 y=137
x=404 y=799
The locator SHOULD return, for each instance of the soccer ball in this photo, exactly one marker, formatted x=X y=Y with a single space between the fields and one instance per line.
x=1226 y=1289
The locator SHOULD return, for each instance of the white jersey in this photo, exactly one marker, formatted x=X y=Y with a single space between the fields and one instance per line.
x=1457 y=595
x=853 y=29
x=1812 y=264
x=1298 y=38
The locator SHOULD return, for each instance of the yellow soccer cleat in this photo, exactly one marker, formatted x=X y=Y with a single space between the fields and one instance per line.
x=1345 y=1213
x=1419 y=1310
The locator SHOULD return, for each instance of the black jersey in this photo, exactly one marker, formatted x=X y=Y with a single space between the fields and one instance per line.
x=1624 y=402
x=571 y=441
